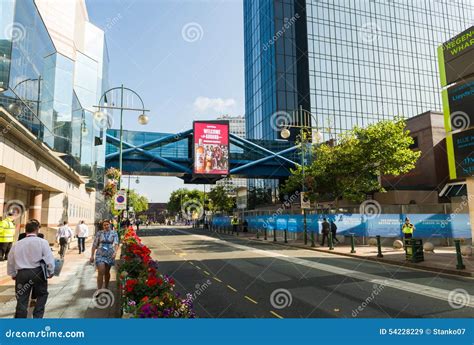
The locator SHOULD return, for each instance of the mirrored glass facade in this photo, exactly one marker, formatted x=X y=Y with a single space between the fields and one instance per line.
x=51 y=94
x=348 y=62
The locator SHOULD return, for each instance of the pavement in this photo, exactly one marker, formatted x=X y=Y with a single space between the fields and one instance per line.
x=70 y=294
x=231 y=276
x=442 y=259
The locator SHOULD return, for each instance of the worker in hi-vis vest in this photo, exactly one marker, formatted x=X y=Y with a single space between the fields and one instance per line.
x=407 y=229
x=7 y=233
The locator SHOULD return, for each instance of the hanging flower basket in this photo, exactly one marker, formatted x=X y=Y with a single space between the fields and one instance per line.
x=113 y=174
x=110 y=189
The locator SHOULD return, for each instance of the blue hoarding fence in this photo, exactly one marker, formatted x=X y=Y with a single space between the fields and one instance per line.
x=429 y=225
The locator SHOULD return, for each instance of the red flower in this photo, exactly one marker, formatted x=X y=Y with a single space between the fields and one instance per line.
x=152 y=281
x=130 y=285
x=144 y=299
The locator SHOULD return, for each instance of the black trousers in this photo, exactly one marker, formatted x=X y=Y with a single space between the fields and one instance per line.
x=407 y=236
x=325 y=235
x=81 y=244
x=4 y=250
x=334 y=238
x=26 y=280
x=63 y=246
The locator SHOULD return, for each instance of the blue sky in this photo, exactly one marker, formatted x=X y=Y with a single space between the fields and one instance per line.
x=184 y=58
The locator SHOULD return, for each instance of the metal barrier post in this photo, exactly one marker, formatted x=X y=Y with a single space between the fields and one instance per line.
x=379 y=247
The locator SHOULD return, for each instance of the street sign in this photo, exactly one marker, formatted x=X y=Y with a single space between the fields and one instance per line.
x=120 y=200
x=455 y=65
x=305 y=202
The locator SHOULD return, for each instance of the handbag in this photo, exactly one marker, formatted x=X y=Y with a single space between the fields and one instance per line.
x=58 y=266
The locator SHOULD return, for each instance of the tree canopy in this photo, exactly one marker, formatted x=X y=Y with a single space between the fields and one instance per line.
x=352 y=168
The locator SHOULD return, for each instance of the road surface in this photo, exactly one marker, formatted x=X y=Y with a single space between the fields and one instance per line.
x=234 y=277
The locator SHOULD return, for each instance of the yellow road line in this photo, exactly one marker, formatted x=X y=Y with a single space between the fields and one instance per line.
x=206 y=272
x=230 y=287
x=275 y=314
x=192 y=263
x=251 y=300
x=217 y=279
x=197 y=267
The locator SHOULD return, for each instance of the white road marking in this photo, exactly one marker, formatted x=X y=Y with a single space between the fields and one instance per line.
x=419 y=289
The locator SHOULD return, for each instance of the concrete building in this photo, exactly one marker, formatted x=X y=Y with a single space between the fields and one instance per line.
x=53 y=69
x=423 y=184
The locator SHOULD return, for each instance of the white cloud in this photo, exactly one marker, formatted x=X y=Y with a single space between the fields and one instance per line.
x=217 y=105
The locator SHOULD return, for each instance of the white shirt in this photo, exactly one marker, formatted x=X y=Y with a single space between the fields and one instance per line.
x=64 y=231
x=28 y=253
x=82 y=230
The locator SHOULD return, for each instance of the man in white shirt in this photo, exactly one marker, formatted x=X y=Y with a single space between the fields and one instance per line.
x=63 y=236
x=82 y=232
x=25 y=262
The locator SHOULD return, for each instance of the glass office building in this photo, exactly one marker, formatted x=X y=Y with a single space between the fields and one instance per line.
x=347 y=62
x=50 y=92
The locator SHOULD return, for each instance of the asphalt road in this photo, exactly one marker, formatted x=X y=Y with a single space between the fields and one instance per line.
x=234 y=277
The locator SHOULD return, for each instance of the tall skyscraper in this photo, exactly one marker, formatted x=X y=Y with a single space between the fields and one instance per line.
x=347 y=62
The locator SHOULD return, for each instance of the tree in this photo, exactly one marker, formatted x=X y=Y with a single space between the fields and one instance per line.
x=181 y=196
x=352 y=168
x=138 y=202
x=220 y=200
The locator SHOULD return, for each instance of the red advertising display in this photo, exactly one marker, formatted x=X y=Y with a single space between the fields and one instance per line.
x=211 y=148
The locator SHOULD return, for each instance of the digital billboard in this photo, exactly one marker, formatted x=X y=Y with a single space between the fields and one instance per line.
x=211 y=147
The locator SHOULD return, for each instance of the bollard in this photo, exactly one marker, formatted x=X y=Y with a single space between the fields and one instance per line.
x=312 y=239
x=258 y=234
x=353 y=243
x=331 y=245
x=274 y=235
x=459 y=265
x=286 y=236
x=265 y=233
x=379 y=247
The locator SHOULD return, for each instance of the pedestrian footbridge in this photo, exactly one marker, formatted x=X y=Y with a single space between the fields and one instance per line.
x=167 y=154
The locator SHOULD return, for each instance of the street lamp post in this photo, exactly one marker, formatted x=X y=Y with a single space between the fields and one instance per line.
x=304 y=130
x=142 y=118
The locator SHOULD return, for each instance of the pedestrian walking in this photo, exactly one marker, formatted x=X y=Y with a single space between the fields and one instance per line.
x=82 y=232
x=63 y=236
x=31 y=264
x=333 y=227
x=104 y=250
x=7 y=234
x=325 y=228
x=408 y=229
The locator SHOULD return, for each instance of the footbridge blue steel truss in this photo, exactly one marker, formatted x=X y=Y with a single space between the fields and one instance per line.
x=165 y=154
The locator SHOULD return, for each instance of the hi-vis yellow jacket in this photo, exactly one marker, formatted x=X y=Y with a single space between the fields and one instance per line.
x=7 y=230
